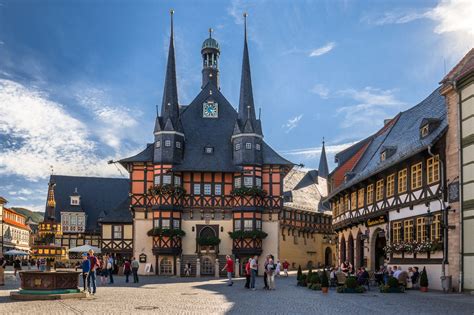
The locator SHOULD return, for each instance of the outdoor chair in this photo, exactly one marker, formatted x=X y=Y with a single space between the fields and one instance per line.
x=402 y=278
x=341 y=278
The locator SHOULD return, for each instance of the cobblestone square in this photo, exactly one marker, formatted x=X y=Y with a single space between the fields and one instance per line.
x=212 y=296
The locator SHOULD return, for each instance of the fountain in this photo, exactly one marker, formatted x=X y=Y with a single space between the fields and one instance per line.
x=49 y=284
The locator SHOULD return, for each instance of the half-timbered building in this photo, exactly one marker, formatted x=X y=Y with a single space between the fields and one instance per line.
x=388 y=194
x=209 y=185
x=79 y=206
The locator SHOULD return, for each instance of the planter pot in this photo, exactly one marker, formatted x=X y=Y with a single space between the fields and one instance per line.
x=424 y=289
x=324 y=289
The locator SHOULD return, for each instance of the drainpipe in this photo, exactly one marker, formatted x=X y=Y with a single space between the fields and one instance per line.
x=461 y=237
x=445 y=215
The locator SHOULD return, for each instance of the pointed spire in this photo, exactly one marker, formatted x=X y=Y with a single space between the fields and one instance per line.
x=246 y=105
x=51 y=202
x=169 y=105
x=323 y=169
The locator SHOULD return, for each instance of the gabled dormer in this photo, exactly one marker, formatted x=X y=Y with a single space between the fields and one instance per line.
x=387 y=152
x=75 y=198
x=427 y=126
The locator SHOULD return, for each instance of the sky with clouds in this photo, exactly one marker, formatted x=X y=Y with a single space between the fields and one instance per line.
x=80 y=80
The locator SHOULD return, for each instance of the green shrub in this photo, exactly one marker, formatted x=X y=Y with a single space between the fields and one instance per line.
x=360 y=289
x=257 y=234
x=324 y=279
x=316 y=287
x=392 y=282
x=208 y=240
x=315 y=278
x=310 y=273
x=351 y=282
x=424 y=278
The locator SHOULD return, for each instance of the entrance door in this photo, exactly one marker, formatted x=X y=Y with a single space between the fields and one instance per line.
x=380 y=242
x=328 y=257
x=207 y=266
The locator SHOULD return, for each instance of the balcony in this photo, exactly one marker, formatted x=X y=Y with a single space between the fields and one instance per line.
x=247 y=246
x=167 y=245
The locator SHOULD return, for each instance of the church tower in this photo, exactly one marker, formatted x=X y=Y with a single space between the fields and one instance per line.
x=210 y=61
x=169 y=136
x=247 y=136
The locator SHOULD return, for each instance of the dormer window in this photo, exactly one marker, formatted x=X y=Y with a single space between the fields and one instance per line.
x=387 y=152
x=248 y=146
x=208 y=150
x=425 y=130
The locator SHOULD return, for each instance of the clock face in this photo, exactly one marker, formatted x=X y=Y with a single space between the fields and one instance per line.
x=210 y=110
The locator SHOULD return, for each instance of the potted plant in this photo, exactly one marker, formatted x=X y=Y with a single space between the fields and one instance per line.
x=424 y=281
x=350 y=286
x=392 y=286
x=315 y=281
x=324 y=282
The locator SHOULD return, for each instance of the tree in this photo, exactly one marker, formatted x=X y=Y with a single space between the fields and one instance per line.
x=299 y=273
x=324 y=280
x=424 y=278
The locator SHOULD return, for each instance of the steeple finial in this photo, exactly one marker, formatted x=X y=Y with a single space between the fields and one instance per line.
x=245 y=25
x=210 y=32
x=323 y=169
x=171 y=21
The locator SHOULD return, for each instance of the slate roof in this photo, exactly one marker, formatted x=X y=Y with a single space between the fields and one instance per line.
x=404 y=135
x=306 y=189
x=97 y=195
x=121 y=214
x=214 y=132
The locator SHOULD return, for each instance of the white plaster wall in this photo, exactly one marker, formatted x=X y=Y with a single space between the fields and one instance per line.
x=418 y=209
x=143 y=244
x=270 y=243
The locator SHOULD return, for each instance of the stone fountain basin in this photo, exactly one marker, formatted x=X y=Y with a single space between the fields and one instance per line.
x=48 y=285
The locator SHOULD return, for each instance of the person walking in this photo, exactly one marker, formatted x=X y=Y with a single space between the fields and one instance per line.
x=135 y=266
x=86 y=267
x=247 y=273
x=127 y=269
x=91 y=278
x=102 y=271
x=3 y=263
x=265 y=275
x=253 y=269
x=16 y=265
x=110 y=269
x=286 y=265
x=229 y=267
x=270 y=271
x=278 y=268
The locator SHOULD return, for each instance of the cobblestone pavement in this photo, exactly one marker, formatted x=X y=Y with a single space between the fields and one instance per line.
x=212 y=296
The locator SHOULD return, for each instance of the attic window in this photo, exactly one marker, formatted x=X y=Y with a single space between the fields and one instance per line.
x=167 y=143
x=387 y=152
x=248 y=146
x=257 y=146
x=237 y=146
x=425 y=130
x=208 y=150
x=178 y=144
x=158 y=144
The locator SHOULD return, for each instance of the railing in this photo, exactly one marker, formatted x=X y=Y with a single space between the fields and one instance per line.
x=203 y=201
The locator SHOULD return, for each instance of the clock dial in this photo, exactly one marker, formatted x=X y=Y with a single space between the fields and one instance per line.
x=210 y=110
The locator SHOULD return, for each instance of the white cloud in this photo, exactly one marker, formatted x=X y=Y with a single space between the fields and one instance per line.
x=320 y=90
x=322 y=50
x=292 y=123
x=44 y=134
x=454 y=19
x=316 y=151
x=115 y=122
x=373 y=106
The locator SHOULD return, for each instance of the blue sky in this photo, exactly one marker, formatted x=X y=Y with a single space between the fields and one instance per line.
x=80 y=80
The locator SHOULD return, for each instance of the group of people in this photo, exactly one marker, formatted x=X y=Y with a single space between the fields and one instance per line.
x=271 y=268
x=409 y=278
x=93 y=266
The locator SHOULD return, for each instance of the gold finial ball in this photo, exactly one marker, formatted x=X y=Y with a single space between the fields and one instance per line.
x=171 y=11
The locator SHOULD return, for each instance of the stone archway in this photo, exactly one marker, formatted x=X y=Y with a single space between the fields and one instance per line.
x=350 y=249
x=343 y=250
